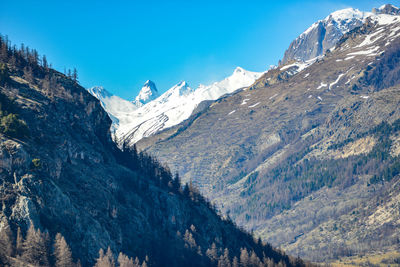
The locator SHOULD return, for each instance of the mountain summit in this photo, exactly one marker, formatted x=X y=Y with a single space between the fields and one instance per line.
x=387 y=9
x=148 y=93
x=324 y=34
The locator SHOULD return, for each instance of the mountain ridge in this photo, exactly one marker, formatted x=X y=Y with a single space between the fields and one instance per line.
x=170 y=108
x=325 y=33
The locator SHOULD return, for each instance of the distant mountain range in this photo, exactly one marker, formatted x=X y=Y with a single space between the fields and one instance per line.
x=150 y=113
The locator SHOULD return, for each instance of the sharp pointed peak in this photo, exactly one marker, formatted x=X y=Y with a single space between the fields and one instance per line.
x=148 y=93
x=181 y=84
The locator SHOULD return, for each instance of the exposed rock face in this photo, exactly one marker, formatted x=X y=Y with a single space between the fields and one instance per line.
x=66 y=176
x=272 y=151
x=387 y=9
x=324 y=34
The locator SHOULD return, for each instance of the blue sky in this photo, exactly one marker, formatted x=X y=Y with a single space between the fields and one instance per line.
x=121 y=44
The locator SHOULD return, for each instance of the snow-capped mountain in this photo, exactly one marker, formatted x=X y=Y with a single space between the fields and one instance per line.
x=387 y=9
x=177 y=104
x=150 y=113
x=148 y=93
x=324 y=34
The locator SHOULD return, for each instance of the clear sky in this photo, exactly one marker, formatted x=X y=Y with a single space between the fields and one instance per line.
x=121 y=44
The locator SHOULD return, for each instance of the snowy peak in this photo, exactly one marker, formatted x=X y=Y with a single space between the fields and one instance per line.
x=238 y=70
x=241 y=73
x=177 y=104
x=387 y=9
x=346 y=14
x=324 y=34
x=180 y=89
x=148 y=93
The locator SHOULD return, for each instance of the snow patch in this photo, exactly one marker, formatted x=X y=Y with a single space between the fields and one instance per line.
x=245 y=101
x=369 y=37
x=322 y=85
x=273 y=96
x=256 y=104
x=336 y=81
x=369 y=52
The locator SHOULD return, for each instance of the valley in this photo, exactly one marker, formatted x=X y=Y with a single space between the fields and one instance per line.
x=295 y=165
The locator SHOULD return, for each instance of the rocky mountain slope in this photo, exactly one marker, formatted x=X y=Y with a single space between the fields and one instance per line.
x=324 y=34
x=132 y=122
x=60 y=172
x=307 y=157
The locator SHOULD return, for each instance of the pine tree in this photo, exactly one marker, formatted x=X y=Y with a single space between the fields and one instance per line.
x=137 y=262
x=44 y=62
x=35 y=250
x=254 y=260
x=6 y=242
x=105 y=260
x=244 y=257
x=124 y=261
x=176 y=182
x=3 y=50
x=4 y=74
x=235 y=262
x=186 y=190
x=227 y=261
x=19 y=243
x=189 y=239
x=212 y=252
x=75 y=75
x=62 y=252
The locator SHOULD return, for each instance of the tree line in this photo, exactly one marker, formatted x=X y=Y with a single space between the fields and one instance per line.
x=29 y=60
